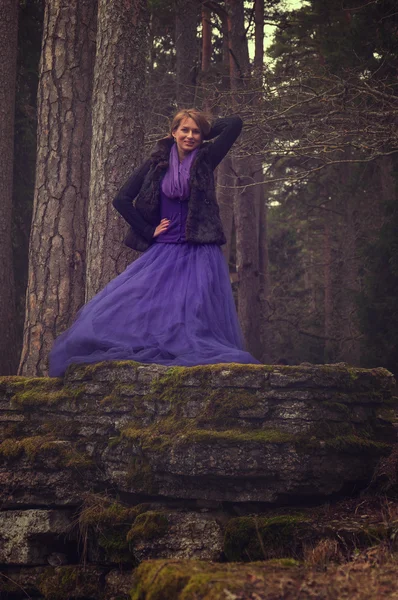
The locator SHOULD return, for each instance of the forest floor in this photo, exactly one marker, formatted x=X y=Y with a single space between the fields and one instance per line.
x=331 y=569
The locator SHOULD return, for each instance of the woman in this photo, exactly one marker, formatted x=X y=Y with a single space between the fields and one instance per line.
x=174 y=305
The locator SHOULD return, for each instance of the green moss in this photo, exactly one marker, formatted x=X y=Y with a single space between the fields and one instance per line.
x=194 y=579
x=36 y=397
x=110 y=522
x=141 y=477
x=204 y=373
x=61 y=428
x=224 y=405
x=283 y=562
x=161 y=436
x=148 y=526
x=119 y=527
x=31 y=446
x=160 y=582
x=267 y=436
x=113 y=541
x=18 y=381
x=98 y=510
x=117 y=399
x=173 y=431
x=337 y=407
x=350 y=443
x=169 y=387
x=70 y=582
x=89 y=370
x=38 y=445
x=262 y=538
x=76 y=459
x=114 y=441
x=36 y=391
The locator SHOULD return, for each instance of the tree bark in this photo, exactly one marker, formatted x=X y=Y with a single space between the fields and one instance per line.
x=118 y=132
x=225 y=197
x=57 y=242
x=332 y=270
x=8 y=69
x=187 y=50
x=247 y=258
x=261 y=202
x=350 y=287
x=259 y=36
x=206 y=38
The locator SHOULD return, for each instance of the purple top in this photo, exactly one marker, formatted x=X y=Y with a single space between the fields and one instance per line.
x=174 y=194
x=225 y=130
x=176 y=210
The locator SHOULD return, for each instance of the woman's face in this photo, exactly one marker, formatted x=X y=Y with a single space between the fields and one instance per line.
x=187 y=135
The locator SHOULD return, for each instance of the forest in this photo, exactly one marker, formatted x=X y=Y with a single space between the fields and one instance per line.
x=308 y=196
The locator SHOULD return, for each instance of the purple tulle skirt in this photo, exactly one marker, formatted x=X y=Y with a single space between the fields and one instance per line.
x=172 y=306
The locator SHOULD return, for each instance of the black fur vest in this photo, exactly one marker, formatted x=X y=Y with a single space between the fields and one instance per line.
x=203 y=221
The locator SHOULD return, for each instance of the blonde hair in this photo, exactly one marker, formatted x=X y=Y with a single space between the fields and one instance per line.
x=199 y=117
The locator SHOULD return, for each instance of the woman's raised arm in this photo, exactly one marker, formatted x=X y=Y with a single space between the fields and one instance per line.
x=227 y=130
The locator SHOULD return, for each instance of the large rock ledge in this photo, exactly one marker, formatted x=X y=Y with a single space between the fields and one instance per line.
x=121 y=462
x=233 y=433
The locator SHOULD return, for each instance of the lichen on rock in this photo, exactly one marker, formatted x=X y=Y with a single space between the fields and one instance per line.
x=205 y=463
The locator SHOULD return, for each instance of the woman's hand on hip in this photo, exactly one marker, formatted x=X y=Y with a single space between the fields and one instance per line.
x=162 y=227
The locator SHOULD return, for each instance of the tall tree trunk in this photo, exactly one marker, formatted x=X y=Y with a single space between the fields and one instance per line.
x=206 y=38
x=57 y=242
x=118 y=132
x=349 y=325
x=245 y=197
x=225 y=172
x=225 y=197
x=332 y=287
x=261 y=202
x=187 y=50
x=259 y=37
x=203 y=89
x=8 y=69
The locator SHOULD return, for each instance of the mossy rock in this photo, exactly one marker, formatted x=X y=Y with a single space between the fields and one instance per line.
x=140 y=474
x=100 y=510
x=62 y=583
x=148 y=526
x=269 y=580
x=193 y=580
x=87 y=372
x=262 y=538
x=40 y=446
x=116 y=526
x=30 y=446
x=36 y=391
x=113 y=540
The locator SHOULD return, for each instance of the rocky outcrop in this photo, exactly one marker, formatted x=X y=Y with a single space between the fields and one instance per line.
x=219 y=433
x=121 y=462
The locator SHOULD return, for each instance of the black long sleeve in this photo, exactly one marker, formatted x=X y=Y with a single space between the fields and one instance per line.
x=228 y=130
x=124 y=202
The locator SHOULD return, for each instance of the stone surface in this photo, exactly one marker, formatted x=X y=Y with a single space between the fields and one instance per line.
x=120 y=462
x=59 y=583
x=318 y=536
x=30 y=537
x=188 y=535
x=237 y=433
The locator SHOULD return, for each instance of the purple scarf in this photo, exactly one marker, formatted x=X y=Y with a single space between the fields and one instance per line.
x=175 y=183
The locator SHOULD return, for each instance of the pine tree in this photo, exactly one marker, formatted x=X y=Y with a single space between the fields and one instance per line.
x=58 y=234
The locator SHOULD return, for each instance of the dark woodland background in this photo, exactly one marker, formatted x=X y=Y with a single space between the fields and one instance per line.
x=309 y=196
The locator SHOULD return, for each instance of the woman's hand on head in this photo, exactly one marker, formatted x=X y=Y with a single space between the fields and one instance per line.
x=162 y=227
